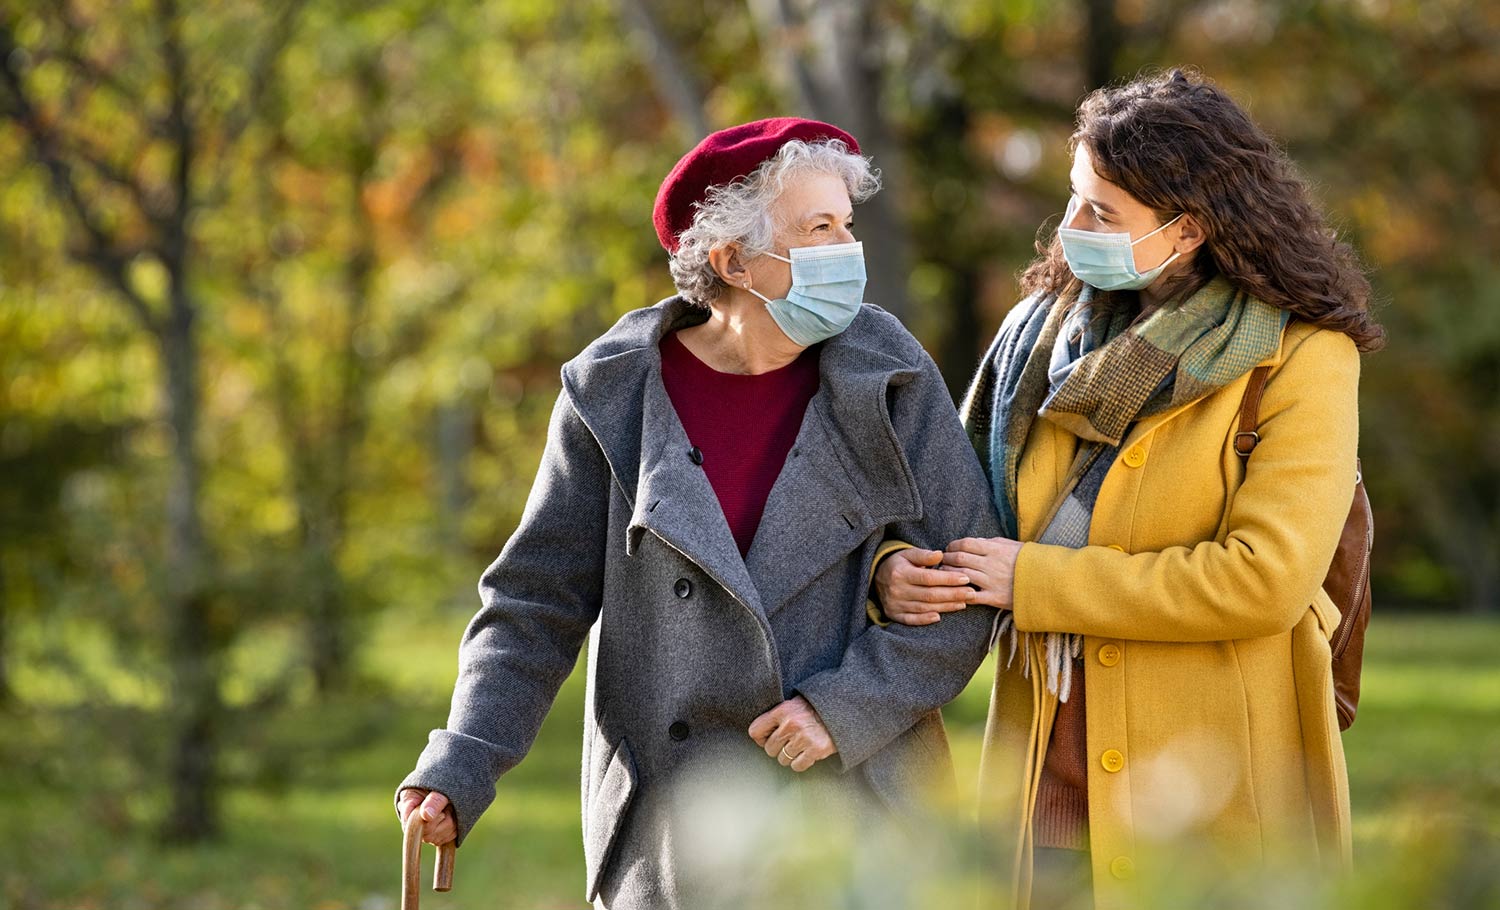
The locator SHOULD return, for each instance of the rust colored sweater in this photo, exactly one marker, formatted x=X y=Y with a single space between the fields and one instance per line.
x=1062 y=802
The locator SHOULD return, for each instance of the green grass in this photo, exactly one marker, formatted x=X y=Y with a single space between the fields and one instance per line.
x=309 y=822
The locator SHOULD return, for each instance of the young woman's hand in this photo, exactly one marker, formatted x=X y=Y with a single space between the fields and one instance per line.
x=914 y=589
x=990 y=563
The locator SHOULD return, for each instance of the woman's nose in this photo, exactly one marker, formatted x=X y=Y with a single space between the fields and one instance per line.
x=844 y=235
x=1074 y=213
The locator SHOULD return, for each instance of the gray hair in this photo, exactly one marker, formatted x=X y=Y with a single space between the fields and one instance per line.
x=740 y=211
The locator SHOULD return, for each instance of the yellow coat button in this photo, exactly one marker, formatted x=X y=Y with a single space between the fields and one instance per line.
x=1122 y=867
x=1109 y=655
x=1112 y=760
x=1116 y=547
x=1135 y=456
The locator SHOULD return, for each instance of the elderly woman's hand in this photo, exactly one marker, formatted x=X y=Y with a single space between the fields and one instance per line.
x=438 y=815
x=793 y=734
x=990 y=563
x=913 y=592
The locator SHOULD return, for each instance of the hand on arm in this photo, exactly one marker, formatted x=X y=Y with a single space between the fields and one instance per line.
x=990 y=563
x=915 y=588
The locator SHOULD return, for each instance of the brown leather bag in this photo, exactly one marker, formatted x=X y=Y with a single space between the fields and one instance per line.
x=1348 y=581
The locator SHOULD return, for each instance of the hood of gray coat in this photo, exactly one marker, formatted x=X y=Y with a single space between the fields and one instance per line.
x=615 y=385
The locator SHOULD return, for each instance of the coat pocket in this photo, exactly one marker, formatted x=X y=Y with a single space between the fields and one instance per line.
x=607 y=808
x=1327 y=613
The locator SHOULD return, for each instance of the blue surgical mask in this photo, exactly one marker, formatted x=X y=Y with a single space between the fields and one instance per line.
x=1107 y=261
x=828 y=286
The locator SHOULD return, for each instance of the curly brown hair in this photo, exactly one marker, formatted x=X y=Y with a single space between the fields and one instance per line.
x=1178 y=143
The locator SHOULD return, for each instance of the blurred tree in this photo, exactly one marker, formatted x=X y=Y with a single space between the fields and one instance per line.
x=133 y=122
x=322 y=402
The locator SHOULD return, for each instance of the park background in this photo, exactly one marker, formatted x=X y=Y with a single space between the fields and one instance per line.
x=284 y=290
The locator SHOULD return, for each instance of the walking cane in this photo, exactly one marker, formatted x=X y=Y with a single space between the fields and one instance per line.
x=411 y=862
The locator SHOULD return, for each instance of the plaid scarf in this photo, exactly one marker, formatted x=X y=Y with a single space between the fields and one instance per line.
x=1095 y=374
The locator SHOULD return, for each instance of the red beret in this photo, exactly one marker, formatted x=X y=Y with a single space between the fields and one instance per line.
x=723 y=157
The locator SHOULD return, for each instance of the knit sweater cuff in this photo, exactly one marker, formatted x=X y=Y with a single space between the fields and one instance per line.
x=1062 y=816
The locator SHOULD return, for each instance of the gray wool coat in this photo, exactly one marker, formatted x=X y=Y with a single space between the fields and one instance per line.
x=623 y=544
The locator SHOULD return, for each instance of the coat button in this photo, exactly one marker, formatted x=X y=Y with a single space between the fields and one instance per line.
x=695 y=455
x=1112 y=760
x=678 y=730
x=1122 y=867
x=1109 y=655
x=1135 y=456
x=683 y=588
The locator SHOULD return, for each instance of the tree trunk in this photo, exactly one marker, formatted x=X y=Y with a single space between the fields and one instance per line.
x=1484 y=585
x=958 y=354
x=7 y=697
x=194 y=644
x=1101 y=43
x=326 y=495
x=328 y=639
x=950 y=237
x=675 y=81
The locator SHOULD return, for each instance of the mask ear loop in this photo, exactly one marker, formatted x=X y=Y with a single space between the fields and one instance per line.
x=1175 y=253
x=1158 y=230
x=758 y=293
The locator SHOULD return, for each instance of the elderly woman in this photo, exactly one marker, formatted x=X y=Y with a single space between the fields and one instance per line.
x=720 y=472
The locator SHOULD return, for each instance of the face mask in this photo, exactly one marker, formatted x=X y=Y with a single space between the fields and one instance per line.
x=828 y=286
x=1107 y=261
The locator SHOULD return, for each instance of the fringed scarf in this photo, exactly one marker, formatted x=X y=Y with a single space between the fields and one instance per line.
x=1095 y=374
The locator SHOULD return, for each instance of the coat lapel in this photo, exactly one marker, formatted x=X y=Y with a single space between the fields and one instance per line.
x=616 y=387
x=814 y=517
x=845 y=477
x=675 y=501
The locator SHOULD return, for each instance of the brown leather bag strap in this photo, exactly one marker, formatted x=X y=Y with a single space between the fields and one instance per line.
x=1245 y=437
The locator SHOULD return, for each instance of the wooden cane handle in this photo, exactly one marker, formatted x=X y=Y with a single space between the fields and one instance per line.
x=411 y=862
x=442 y=876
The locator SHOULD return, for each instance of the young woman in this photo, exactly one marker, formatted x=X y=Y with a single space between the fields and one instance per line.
x=1163 y=708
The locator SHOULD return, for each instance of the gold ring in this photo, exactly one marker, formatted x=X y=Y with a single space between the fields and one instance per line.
x=786 y=756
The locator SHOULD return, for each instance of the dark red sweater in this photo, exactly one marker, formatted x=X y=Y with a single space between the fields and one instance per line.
x=743 y=425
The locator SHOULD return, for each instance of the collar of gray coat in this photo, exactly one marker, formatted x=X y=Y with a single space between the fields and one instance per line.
x=847 y=475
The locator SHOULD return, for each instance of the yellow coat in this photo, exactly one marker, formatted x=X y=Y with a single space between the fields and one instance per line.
x=1210 y=713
